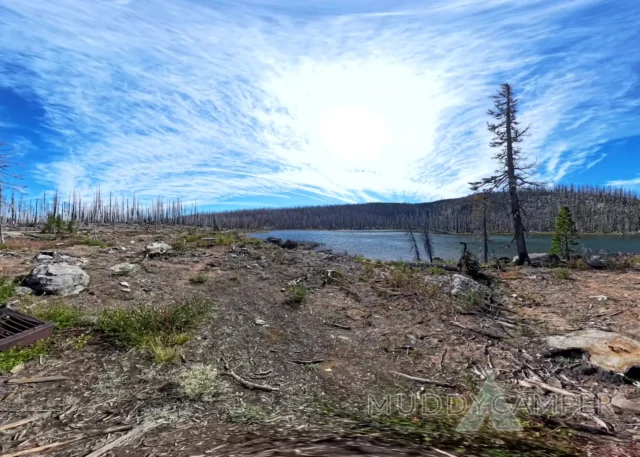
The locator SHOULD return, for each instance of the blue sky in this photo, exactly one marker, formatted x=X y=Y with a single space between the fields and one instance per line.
x=253 y=103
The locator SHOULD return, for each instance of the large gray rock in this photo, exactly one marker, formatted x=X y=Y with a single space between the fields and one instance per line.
x=57 y=278
x=462 y=285
x=540 y=258
x=158 y=248
x=596 y=261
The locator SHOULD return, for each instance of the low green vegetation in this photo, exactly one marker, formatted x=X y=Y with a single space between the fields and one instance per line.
x=95 y=243
x=473 y=300
x=297 y=293
x=201 y=382
x=157 y=329
x=437 y=271
x=9 y=358
x=561 y=273
x=135 y=326
x=62 y=314
x=7 y=288
x=247 y=414
x=200 y=278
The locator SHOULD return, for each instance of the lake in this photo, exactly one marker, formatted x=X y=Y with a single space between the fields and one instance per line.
x=394 y=245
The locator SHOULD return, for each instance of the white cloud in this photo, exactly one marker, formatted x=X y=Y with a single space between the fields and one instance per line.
x=184 y=99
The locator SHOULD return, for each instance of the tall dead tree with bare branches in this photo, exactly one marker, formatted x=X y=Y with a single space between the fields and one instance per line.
x=6 y=177
x=512 y=174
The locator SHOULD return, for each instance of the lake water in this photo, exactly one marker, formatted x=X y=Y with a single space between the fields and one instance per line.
x=394 y=245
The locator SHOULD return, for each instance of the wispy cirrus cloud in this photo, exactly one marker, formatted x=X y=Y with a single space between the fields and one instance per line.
x=219 y=100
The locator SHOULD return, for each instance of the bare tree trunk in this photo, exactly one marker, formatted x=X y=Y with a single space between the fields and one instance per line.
x=518 y=226
x=485 y=232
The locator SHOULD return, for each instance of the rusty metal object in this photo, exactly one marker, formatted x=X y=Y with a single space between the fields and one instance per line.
x=17 y=329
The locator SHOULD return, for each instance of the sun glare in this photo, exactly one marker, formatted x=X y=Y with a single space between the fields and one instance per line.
x=352 y=133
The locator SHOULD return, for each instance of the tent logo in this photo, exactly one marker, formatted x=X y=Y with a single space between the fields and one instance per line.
x=490 y=402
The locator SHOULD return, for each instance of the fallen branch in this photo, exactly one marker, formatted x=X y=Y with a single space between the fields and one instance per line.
x=248 y=384
x=36 y=380
x=493 y=336
x=307 y=362
x=423 y=380
x=547 y=387
x=333 y=324
x=117 y=442
x=21 y=422
x=38 y=449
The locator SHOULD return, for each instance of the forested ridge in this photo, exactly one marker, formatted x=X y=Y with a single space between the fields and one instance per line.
x=595 y=210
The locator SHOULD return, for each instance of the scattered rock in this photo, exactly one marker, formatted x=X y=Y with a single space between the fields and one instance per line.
x=124 y=284
x=125 y=289
x=158 y=248
x=22 y=291
x=541 y=259
x=632 y=406
x=289 y=244
x=19 y=368
x=261 y=322
x=607 y=350
x=57 y=278
x=600 y=297
x=124 y=268
x=44 y=257
x=596 y=261
x=462 y=285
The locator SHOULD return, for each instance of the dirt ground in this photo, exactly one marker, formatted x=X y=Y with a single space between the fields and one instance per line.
x=328 y=359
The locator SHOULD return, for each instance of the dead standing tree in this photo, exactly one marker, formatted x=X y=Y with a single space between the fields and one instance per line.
x=6 y=176
x=512 y=174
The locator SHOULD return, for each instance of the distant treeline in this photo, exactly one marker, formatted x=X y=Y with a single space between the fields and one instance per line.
x=601 y=210
x=594 y=209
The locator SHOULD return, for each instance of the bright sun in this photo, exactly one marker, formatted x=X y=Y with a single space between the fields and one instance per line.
x=352 y=133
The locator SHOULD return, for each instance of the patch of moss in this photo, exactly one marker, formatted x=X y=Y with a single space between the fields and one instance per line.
x=9 y=358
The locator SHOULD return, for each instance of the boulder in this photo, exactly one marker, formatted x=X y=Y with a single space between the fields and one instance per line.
x=462 y=285
x=289 y=244
x=54 y=256
x=596 y=261
x=607 y=350
x=540 y=259
x=57 y=278
x=158 y=248
x=124 y=269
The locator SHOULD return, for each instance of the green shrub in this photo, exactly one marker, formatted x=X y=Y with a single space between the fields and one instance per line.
x=247 y=415
x=136 y=327
x=9 y=358
x=193 y=238
x=3 y=246
x=61 y=314
x=201 y=382
x=297 y=293
x=578 y=264
x=7 y=288
x=53 y=225
x=200 y=278
x=437 y=271
x=561 y=273
x=473 y=299
x=91 y=242
x=161 y=352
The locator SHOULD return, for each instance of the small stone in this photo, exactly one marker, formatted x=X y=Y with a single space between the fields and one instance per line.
x=18 y=368
x=22 y=291
x=124 y=289
x=132 y=242
x=124 y=284
x=261 y=322
x=600 y=297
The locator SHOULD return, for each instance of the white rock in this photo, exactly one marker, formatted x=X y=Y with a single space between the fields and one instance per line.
x=600 y=297
x=462 y=285
x=124 y=268
x=124 y=284
x=57 y=278
x=159 y=247
x=261 y=322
